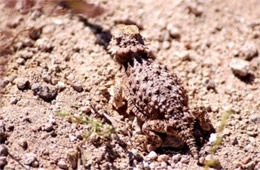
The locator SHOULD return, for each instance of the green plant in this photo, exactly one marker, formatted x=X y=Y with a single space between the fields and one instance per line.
x=96 y=127
x=216 y=145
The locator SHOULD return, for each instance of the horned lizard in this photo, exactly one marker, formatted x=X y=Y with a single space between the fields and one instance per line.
x=155 y=97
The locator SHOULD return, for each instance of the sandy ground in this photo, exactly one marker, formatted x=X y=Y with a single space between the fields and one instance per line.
x=213 y=47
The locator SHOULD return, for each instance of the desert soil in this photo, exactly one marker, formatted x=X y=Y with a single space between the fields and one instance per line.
x=212 y=46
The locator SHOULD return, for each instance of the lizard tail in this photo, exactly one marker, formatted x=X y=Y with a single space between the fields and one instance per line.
x=190 y=141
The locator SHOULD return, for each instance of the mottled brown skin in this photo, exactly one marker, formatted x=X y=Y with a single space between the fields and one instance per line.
x=156 y=97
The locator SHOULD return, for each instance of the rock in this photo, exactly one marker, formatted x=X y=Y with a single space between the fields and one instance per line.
x=239 y=67
x=173 y=31
x=202 y=160
x=235 y=141
x=35 y=33
x=255 y=118
x=152 y=155
x=72 y=157
x=210 y=84
x=10 y=128
x=44 y=92
x=249 y=50
x=85 y=109
x=22 y=83
x=195 y=9
x=62 y=164
x=164 y=165
x=152 y=165
x=184 y=160
x=213 y=138
x=31 y=160
x=3 y=134
x=20 y=61
x=77 y=86
x=3 y=150
x=23 y=143
x=14 y=100
x=176 y=158
x=163 y=158
x=4 y=82
x=53 y=134
x=3 y=161
x=183 y=55
x=213 y=161
x=46 y=77
x=25 y=54
x=48 y=127
x=166 y=45
x=13 y=23
x=61 y=86
x=44 y=45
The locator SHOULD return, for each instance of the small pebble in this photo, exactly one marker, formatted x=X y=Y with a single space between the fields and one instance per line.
x=48 y=127
x=164 y=165
x=184 y=160
x=31 y=160
x=35 y=33
x=44 y=92
x=25 y=54
x=176 y=158
x=174 y=31
x=255 y=118
x=152 y=155
x=14 y=100
x=61 y=86
x=163 y=158
x=20 y=61
x=3 y=150
x=23 y=143
x=235 y=141
x=213 y=138
x=215 y=163
x=166 y=45
x=4 y=82
x=183 y=55
x=152 y=165
x=44 y=44
x=195 y=9
x=85 y=109
x=77 y=86
x=13 y=23
x=249 y=50
x=62 y=164
x=239 y=67
x=210 y=84
x=22 y=83
x=46 y=77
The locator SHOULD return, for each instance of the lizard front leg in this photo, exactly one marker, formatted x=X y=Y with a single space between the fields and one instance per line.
x=201 y=115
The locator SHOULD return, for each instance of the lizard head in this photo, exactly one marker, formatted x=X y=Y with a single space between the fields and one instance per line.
x=127 y=44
